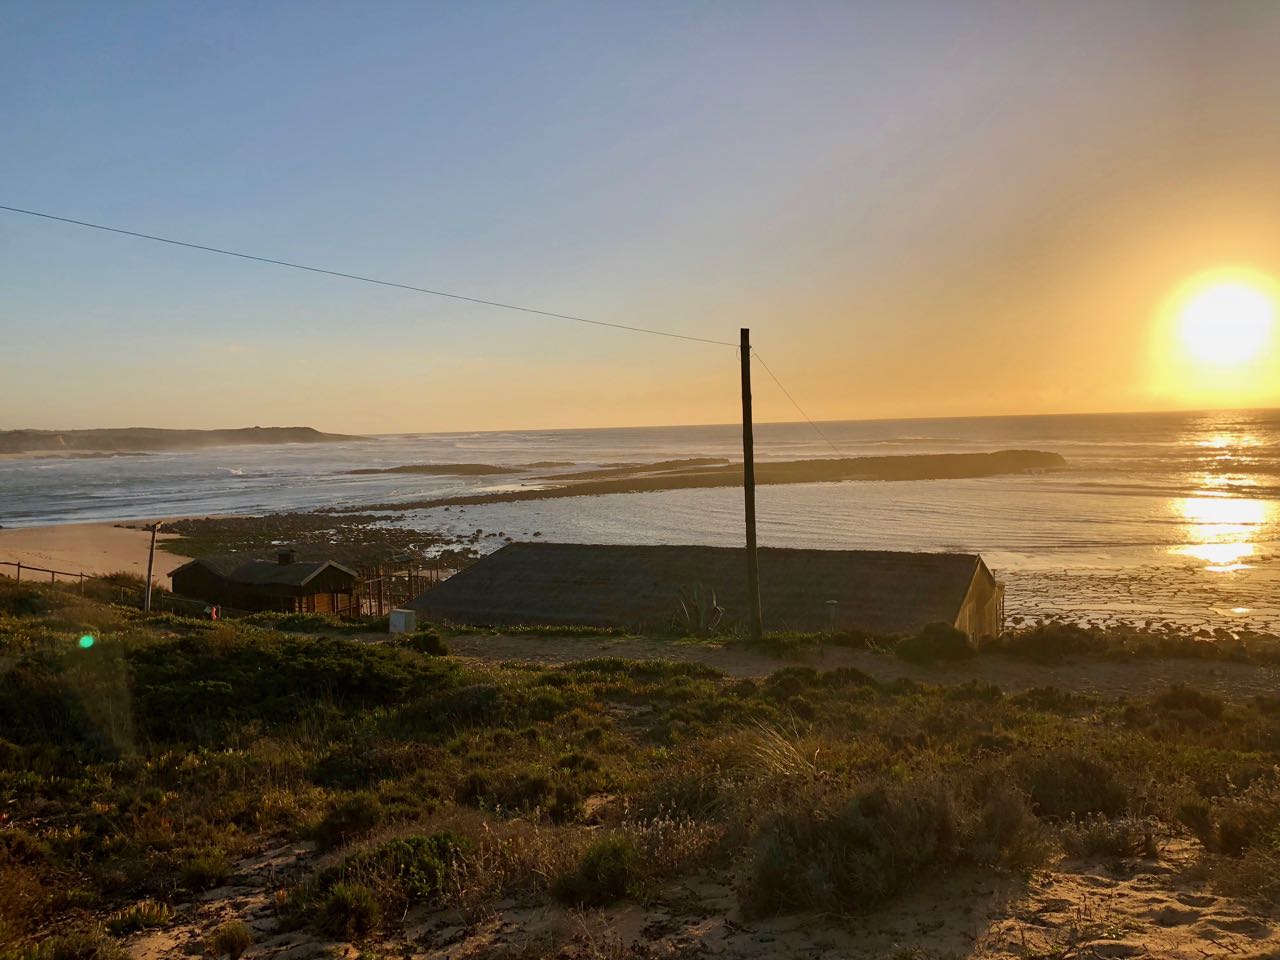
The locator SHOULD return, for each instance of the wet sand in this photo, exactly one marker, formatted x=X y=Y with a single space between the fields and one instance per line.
x=1242 y=601
x=699 y=474
x=89 y=548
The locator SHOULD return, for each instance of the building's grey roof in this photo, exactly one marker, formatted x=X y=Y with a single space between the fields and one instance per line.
x=639 y=586
x=265 y=572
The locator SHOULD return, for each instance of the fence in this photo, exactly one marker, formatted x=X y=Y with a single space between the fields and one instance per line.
x=377 y=592
x=19 y=566
x=126 y=593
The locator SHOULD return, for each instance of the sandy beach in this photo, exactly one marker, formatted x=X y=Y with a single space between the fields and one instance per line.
x=91 y=548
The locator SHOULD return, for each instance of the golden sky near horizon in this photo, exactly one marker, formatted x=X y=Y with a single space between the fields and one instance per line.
x=920 y=210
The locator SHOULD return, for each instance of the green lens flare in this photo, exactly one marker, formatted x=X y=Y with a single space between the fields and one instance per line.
x=86 y=641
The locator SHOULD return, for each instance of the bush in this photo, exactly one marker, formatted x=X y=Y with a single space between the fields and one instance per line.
x=1249 y=820
x=1099 y=837
x=20 y=600
x=419 y=865
x=199 y=688
x=937 y=641
x=1179 y=698
x=205 y=869
x=1070 y=784
x=350 y=910
x=429 y=642
x=1049 y=642
x=1242 y=837
x=510 y=790
x=354 y=816
x=848 y=852
x=231 y=940
x=316 y=623
x=139 y=916
x=606 y=873
x=470 y=706
x=91 y=944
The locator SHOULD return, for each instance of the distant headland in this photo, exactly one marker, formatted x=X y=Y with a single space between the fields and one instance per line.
x=126 y=440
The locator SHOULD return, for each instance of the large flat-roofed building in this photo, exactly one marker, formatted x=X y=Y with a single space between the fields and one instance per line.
x=641 y=587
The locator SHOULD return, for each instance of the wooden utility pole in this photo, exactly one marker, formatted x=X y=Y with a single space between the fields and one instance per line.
x=151 y=562
x=749 y=491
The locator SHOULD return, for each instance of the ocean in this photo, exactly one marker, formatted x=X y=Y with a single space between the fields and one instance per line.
x=1171 y=515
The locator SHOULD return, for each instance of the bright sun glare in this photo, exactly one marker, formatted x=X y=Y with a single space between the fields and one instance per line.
x=1227 y=322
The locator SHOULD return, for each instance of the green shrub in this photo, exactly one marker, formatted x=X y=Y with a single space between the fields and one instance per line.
x=88 y=944
x=19 y=846
x=201 y=687
x=317 y=623
x=1197 y=815
x=1098 y=836
x=231 y=940
x=937 y=641
x=1251 y=819
x=1182 y=698
x=578 y=761
x=429 y=642
x=20 y=600
x=419 y=865
x=1049 y=642
x=205 y=869
x=349 y=910
x=355 y=815
x=481 y=704
x=607 y=872
x=847 y=852
x=139 y=916
x=511 y=790
x=1070 y=784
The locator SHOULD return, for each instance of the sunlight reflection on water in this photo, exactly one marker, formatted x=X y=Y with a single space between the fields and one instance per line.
x=1222 y=530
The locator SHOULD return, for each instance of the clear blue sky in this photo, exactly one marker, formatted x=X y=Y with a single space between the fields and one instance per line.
x=920 y=208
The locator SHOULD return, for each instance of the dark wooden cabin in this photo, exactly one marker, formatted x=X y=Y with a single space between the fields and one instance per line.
x=285 y=584
x=639 y=587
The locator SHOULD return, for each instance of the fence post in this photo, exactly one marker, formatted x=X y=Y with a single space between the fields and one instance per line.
x=19 y=580
x=82 y=584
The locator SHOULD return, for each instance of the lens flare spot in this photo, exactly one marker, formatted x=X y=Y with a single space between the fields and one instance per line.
x=87 y=641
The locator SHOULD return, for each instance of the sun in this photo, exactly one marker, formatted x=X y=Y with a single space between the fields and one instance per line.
x=1226 y=321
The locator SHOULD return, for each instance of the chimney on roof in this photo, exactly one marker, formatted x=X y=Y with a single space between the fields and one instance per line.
x=285 y=556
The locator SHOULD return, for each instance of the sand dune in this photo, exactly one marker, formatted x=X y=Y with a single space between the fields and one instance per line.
x=90 y=548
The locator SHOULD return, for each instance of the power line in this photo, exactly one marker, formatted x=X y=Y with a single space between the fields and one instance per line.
x=430 y=292
x=382 y=283
x=817 y=429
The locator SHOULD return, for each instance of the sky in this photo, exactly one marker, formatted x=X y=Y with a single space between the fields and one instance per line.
x=919 y=208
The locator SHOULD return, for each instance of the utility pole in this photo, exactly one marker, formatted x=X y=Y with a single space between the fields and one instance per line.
x=749 y=491
x=151 y=562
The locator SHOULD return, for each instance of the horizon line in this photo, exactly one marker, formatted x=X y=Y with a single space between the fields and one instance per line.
x=670 y=426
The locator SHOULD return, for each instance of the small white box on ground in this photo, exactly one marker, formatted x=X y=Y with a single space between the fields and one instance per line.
x=403 y=621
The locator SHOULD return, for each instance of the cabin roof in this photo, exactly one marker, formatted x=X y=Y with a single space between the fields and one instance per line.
x=640 y=586
x=265 y=572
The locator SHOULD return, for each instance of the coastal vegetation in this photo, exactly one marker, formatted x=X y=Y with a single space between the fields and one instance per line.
x=384 y=782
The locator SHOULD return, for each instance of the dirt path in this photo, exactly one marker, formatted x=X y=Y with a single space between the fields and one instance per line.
x=1096 y=677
